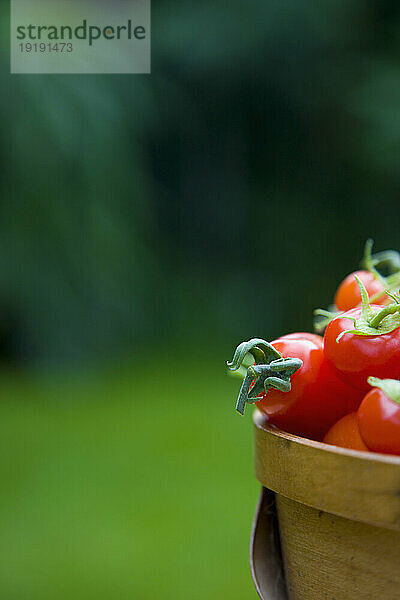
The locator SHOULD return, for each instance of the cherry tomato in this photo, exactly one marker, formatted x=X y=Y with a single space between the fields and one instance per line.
x=348 y=294
x=317 y=398
x=345 y=433
x=303 y=335
x=356 y=357
x=313 y=337
x=379 y=418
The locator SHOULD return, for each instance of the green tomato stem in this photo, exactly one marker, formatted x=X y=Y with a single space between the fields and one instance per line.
x=374 y=323
x=262 y=352
x=270 y=371
x=391 y=387
x=370 y=262
x=385 y=312
x=366 y=313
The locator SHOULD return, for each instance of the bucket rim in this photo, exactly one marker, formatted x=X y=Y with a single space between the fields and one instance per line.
x=360 y=486
x=260 y=422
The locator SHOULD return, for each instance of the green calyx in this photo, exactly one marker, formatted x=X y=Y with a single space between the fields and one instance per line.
x=391 y=387
x=322 y=318
x=270 y=371
x=388 y=260
x=372 y=322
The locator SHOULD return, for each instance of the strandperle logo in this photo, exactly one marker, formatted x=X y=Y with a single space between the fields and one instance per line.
x=85 y=31
x=80 y=36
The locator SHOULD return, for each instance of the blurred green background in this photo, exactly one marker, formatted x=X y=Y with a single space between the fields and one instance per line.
x=147 y=225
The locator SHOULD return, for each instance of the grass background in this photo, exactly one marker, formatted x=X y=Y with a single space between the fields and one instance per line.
x=135 y=482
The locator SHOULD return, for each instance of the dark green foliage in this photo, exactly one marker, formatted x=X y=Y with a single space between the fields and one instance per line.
x=197 y=201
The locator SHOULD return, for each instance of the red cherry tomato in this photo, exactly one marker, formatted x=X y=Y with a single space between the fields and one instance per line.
x=348 y=294
x=317 y=398
x=345 y=433
x=379 y=421
x=356 y=357
x=303 y=335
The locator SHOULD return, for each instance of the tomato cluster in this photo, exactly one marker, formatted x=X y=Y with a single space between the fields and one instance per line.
x=342 y=388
